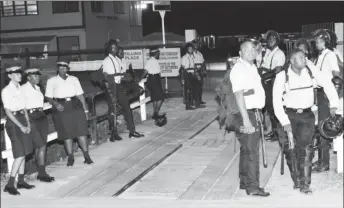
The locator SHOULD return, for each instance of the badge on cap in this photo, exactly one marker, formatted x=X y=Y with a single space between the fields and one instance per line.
x=62 y=63
x=14 y=69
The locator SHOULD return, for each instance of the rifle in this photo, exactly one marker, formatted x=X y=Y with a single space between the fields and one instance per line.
x=262 y=139
x=282 y=159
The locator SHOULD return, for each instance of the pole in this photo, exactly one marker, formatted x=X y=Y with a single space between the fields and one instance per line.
x=162 y=15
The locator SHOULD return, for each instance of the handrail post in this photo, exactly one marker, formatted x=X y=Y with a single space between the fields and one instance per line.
x=143 y=104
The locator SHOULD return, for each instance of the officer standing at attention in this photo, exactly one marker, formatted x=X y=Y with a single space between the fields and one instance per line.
x=17 y=127
x=244 y=77
x=328 y=64
x=113 y=73
x=34 y=101
x=274 y=60
x=198 y=57
x=152 y=69
x=192 y=83
x=69 y=111
x=294 y=89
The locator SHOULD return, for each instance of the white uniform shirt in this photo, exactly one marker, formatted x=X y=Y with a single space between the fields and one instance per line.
x=152 y=66
x=33 y=96
x=122 y=64
x=273 y=59
x=188 y=61
x=244 y=76
x=60 y=88
x=198 y=57
x=300 y=98
x=327 y=62
x=339 y=54
x=13 y=98
x=111 y=65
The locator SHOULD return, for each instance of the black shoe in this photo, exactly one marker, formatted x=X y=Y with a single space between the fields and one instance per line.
x=157 y=116
x=203 y=103
x=200 y=106
x=11 y=190
x=321 y=168
x=24 y=185
x=70 y=161
x=115 y=137
x=242 y=187
x=135 y=135
x=88 y=161
x=257 y=192
x=45 y=178
x=305 y=190
x=189 y=108
x=297 y=185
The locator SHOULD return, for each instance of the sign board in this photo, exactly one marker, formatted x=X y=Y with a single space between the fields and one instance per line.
x=161 y=6
x=85 y=65
x=135 y=57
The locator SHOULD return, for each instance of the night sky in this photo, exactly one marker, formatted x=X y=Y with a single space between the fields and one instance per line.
x=228 y=18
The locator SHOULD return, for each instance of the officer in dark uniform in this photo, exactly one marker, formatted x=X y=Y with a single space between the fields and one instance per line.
x=69 y=111
x=18 y=128
x=293 y=97
x=191 y=78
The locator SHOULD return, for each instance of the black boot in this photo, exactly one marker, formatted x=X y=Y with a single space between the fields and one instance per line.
x=71 y=160
x=307 y=171
x=114 y=136
x=318 y=166
x=292 y=165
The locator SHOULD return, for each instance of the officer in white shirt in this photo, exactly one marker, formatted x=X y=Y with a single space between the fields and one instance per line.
x=294 y=89
x=244 y=77
x=34 y=102
x=274 y=59
x=69 y=111
x=328 y=64
x=199 y=62
x=17 y=127
x=152 y=69
x=113 y=73
x=192 y=84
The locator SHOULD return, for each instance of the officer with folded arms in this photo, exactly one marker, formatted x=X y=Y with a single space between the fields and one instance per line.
x=294 y=89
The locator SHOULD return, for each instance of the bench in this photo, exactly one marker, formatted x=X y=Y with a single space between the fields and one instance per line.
x=143 y=100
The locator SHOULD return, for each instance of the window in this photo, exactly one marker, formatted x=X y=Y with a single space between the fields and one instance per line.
x=135 y=13
x=68 y=43
x=65 y=6
x=18 y=8
x=118 y=7
x=97 y=6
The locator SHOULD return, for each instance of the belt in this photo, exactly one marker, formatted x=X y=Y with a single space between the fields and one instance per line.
x=153 y=74
x=253 y=110
x=190 y=70
x=320 y=89
x=65 y=99
x=32 y=110
x=18 y=112
x=299 y=110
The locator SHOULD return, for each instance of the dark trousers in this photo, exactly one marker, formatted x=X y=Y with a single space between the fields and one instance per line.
x=303 y=128
x=192 y=88
x=268 y=86
x=249 y=156
x=124 y=103
x=324 y=112
x=201 y=89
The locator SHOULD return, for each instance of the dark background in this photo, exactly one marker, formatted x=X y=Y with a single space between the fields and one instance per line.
x=234 y=18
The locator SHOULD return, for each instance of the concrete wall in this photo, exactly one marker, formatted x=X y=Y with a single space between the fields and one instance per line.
x=45 y=18
x=101 y=26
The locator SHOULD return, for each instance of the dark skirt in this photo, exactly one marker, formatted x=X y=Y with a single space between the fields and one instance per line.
x=155 y=87
x=71 y=122
x=22 y=144
x=39 y=128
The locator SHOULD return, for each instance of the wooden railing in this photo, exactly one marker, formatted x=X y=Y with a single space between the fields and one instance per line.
x=7 y=153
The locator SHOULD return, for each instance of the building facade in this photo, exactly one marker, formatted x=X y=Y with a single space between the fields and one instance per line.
x=67 y=25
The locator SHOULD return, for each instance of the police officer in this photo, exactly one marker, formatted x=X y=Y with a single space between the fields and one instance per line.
x=34 y=101
x=244 y=77
x=274 y=59
x=18 y=128
x=113 y=73
x=328 y=64
x=192 y=83
x=199 y=62
x=69 y=111
x=294 y=89
x=152 y=69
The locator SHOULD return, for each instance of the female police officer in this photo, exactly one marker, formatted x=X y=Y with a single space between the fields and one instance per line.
x=34 y=101
x=69 y=111
x=17 y=127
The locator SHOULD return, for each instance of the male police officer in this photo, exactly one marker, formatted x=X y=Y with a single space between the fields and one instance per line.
x=244 y=78
x=294 y=89
x=274 y=59
x=199 y=62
